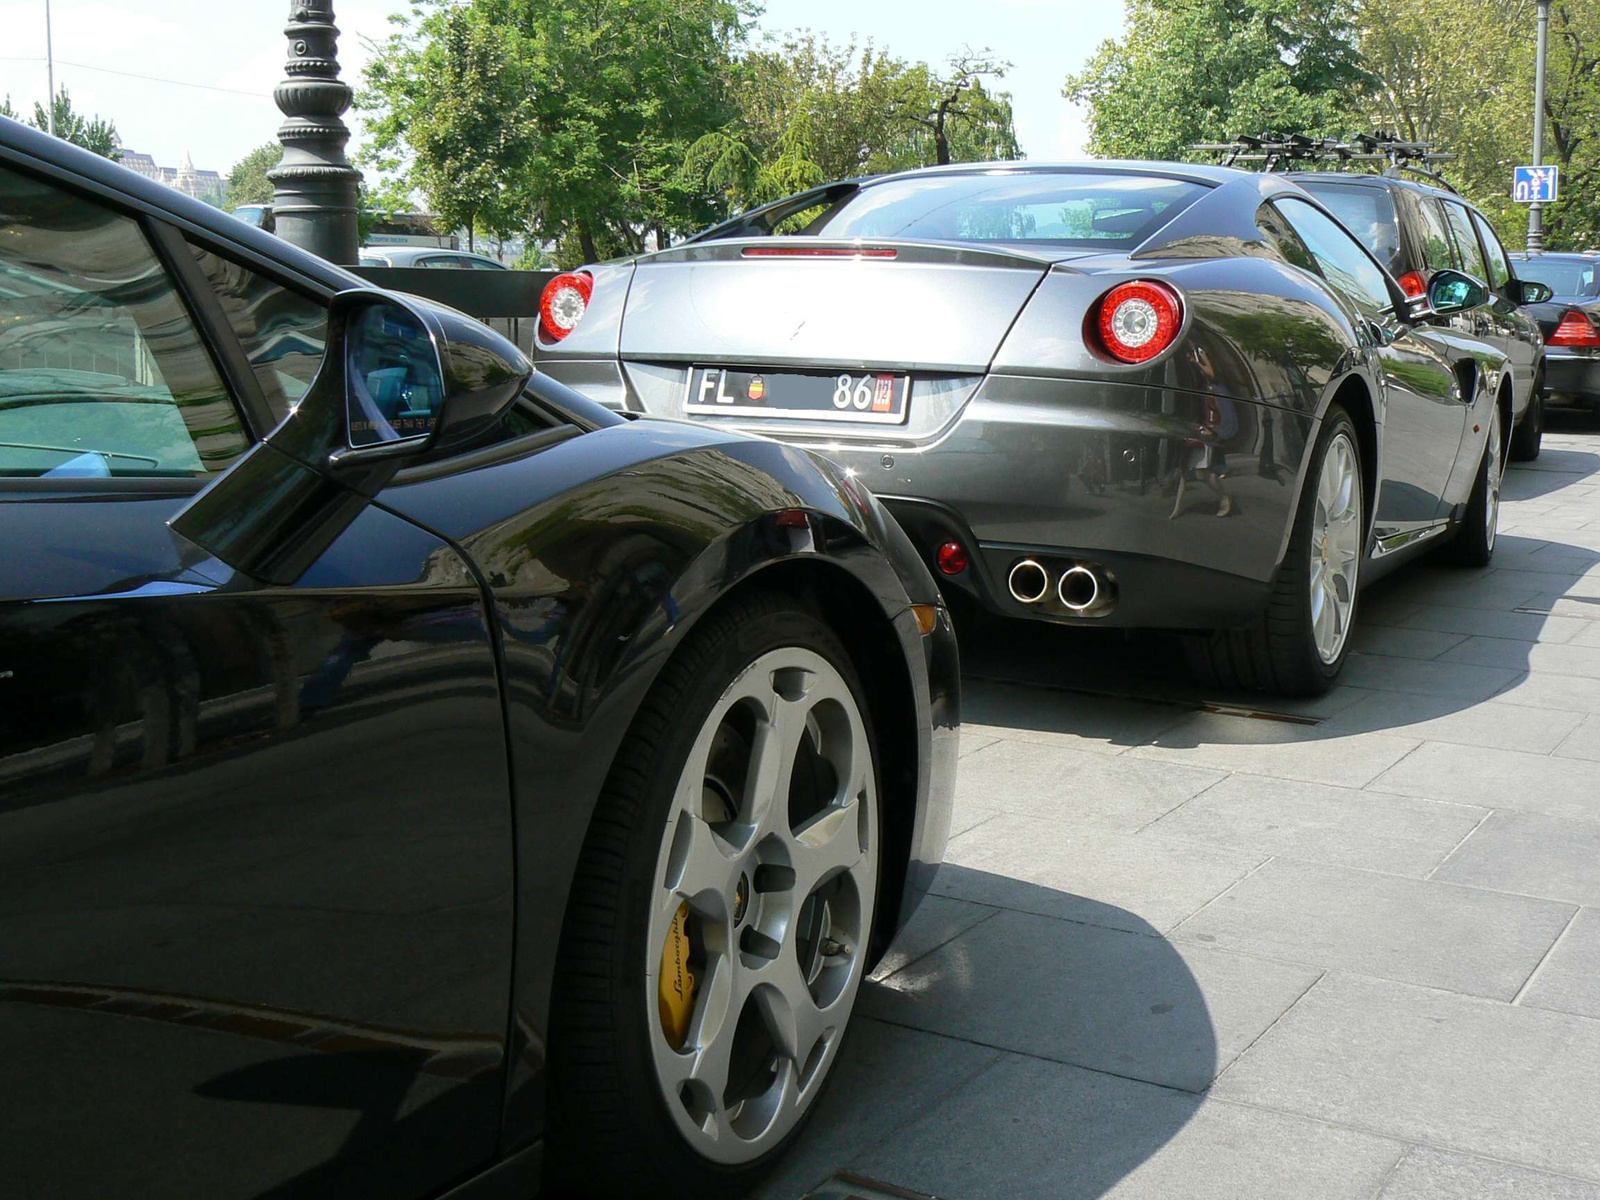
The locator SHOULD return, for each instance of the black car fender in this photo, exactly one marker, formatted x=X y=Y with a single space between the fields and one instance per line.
x=600 y=555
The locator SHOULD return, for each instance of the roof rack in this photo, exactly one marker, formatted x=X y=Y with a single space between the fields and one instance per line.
x=1277 y=151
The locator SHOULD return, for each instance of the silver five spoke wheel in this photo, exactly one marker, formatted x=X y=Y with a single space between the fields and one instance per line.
x=763 y=901
x=1335 y=547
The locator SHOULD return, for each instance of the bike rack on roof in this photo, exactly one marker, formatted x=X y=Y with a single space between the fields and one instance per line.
x=1279 y=151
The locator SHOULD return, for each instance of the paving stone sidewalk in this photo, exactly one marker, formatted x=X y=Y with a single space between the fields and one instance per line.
x=1182 y=951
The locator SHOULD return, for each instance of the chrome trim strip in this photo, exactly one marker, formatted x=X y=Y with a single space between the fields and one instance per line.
x=1409 y=537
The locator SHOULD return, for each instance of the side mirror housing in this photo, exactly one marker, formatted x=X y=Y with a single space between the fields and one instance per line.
x=1528 y=291
x=400 y=377
x=1452 y=292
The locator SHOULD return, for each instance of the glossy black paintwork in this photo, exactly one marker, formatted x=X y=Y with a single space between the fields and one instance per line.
x=285 y=833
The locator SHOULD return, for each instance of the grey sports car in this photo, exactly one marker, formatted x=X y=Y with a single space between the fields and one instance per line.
x=1139 y=394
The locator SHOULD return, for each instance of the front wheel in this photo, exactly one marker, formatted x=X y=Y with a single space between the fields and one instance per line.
x=1299 y=644
x=719 y=926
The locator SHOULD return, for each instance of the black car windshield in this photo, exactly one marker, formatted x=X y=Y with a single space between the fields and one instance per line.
x=1367 y=212
x=1564 y=276
x=1090 y=210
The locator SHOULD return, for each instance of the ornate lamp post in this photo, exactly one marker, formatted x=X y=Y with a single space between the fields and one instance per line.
x=315 y=187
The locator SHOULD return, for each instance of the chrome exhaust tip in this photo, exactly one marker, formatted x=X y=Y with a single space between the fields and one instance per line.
x=1029 y=582
x=1078 y=589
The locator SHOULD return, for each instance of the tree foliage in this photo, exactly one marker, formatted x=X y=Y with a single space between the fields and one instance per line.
x=91 y=133
x=247 y=180
x=1201 y=70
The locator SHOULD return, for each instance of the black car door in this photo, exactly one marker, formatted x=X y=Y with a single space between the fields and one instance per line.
x=255 y=840
x=1423 y=413
x=1513 y=332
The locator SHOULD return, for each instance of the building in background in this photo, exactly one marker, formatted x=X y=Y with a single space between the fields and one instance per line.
x=202 y=185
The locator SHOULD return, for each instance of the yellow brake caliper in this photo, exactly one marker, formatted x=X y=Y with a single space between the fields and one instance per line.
x=677 y=981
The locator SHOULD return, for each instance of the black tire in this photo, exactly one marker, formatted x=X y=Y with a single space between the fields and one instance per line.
x=1278 y=652
x=610 y=1134
x=1525 y=442
x=1473 y=545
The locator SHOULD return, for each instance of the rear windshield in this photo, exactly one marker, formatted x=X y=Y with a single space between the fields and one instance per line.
x=1064 y=209
x=1367 y=212
x=1565 y=276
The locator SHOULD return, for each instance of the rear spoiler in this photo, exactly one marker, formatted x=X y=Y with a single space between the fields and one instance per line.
x=762 y=221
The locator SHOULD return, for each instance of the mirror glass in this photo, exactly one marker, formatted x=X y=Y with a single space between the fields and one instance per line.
x=1451 y=291
x=393 y=388
x=1534 y=292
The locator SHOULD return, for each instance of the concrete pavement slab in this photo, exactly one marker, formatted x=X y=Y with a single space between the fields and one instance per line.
x=1533 y=854
x=1559 y=787
x=1567 y=693
x=1569 y=979
x=1467 y=940
x=1482 y=622
x=1276 y=748
x=1321 y=823
x=1031 y=1130
x=1119 y=794
x=1076 y=720
x=1583 y=742
x=1460 y=681
x=1399 y=642
x=1427 y=1174
x=1458 y=1072
x=1573 y=658
x=937 y=920
x=1441 y=719
x=1110 y=879
x=1131 y=1004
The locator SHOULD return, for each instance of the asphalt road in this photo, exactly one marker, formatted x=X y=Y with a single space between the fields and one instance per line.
x=1197 y=946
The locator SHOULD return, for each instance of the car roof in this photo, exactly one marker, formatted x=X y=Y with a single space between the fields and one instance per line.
x=1572 y=255
x=1193 y=172
x=27 y=146
x=1369 y=179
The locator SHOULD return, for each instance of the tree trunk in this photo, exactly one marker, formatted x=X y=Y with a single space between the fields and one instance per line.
x=586 y=243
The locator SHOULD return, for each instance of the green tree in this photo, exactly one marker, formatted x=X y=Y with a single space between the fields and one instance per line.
x=247 y=180
x=89 y=132
x=7 y=111
x=1201 y=70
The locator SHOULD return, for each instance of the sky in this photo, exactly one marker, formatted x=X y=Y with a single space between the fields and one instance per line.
x=214 y=63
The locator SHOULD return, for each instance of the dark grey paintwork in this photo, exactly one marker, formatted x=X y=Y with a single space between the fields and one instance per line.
x=1024 y=439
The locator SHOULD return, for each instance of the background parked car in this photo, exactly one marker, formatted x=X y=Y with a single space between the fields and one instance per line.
x=427 y=256
x=1570 y=321
x=1415 y=229
x=409 y=768
x=1140 y=394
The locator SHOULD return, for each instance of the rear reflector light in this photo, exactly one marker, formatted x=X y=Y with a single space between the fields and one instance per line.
x=1576 y=329
x=818 y=252
x=1413 y=285
x=952 y=558
x=1137 y=321
x=565 y=300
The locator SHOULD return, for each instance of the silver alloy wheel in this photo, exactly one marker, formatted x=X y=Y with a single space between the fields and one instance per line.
x=1335 y=547
x=1496 y=466
x=771 y=850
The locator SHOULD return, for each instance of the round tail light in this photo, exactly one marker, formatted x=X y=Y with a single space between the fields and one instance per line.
x=1413 y=285
x=952 y=557
x=1138 y=320
x=565 y=300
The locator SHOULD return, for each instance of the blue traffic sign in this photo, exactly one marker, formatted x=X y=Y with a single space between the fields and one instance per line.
x=1530 y=185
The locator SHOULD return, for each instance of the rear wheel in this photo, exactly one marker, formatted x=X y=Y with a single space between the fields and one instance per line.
x=1474 y=542
x=718 y=929
x=1525 y=441
x=1298 y=645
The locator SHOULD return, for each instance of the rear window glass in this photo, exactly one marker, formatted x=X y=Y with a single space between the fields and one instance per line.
x=1564 y=276
x=1091 y=211
x=1367 y=212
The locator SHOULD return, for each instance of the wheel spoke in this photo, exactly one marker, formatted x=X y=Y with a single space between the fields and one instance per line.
x=828 y=843
x=699 y=871
x=786 y=1006
x=777 y=741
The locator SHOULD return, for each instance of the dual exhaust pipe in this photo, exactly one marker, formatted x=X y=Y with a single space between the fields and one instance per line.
x=1083 y=590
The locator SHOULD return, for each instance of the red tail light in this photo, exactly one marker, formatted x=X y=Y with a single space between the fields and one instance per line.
x=1137 y=321
x=1576 y=329
x=565 y=300
x=1413 y=285
x=952 y=558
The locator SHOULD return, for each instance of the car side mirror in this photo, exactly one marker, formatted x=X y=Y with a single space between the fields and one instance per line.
x=1528 y=291
x=400 y=377
x=1452 y=292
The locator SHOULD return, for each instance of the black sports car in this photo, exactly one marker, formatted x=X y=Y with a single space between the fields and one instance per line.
x=414 y=776
x=1156 y=395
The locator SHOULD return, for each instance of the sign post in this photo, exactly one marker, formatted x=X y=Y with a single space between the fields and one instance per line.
x=1536 y=212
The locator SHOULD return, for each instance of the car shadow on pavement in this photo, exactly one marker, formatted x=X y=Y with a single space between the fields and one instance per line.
x=1019 y=1041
